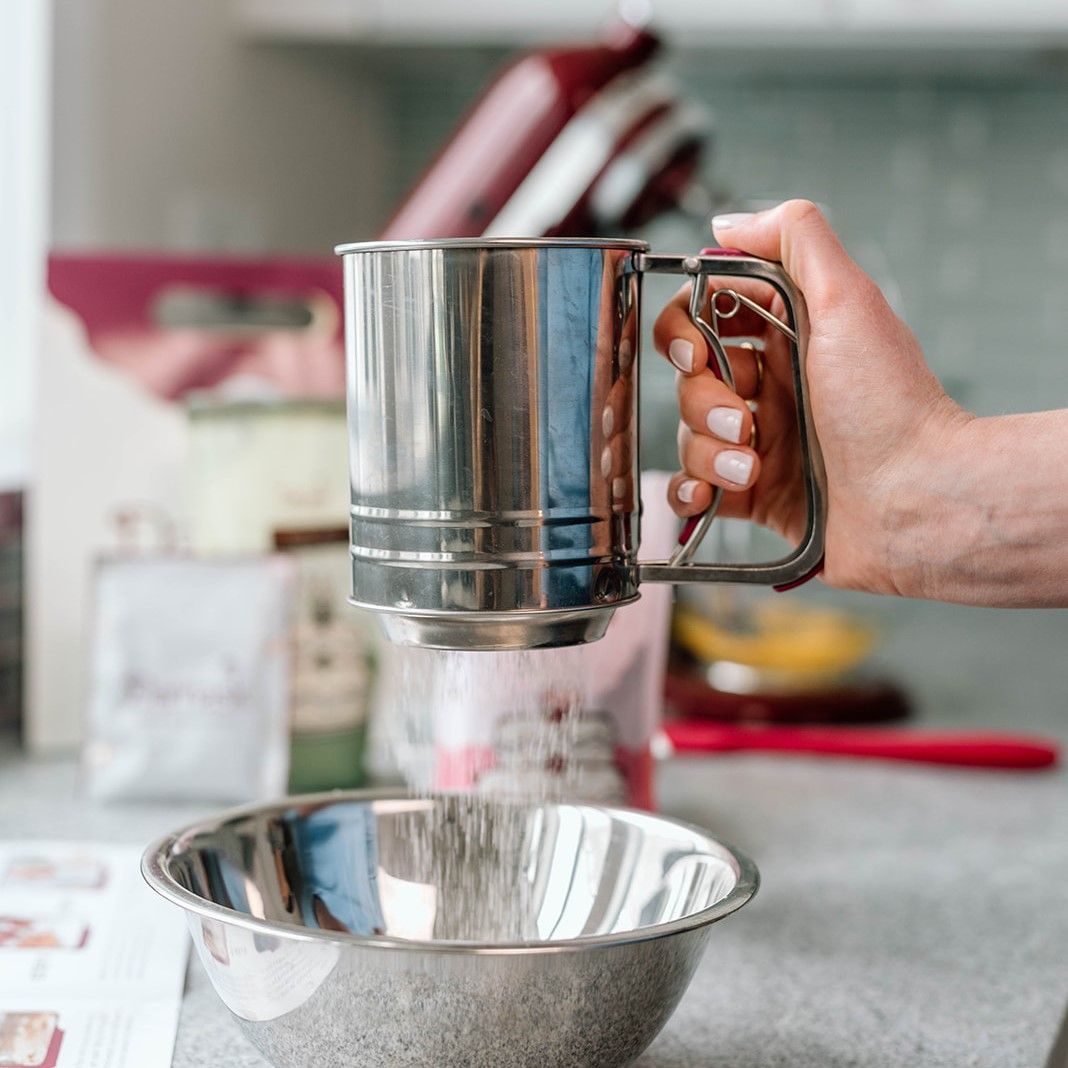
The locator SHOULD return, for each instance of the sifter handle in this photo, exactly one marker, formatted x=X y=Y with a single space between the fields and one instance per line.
x=806 y=559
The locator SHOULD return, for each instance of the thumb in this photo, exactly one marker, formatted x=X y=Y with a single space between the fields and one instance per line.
x=797 y=235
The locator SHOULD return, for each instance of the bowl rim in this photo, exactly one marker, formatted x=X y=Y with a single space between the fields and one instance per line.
x=155 y=872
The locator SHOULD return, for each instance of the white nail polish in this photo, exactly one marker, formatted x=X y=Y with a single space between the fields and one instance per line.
x=619 y=487
x=733 y=466
x=606 y=462
x=730 y=220
x=626 y=354
x=608 y=423
x=725 y=423
x=687 y=489
x=680 y=352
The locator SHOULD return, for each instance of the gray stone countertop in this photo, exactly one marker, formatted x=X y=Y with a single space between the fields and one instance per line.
x=909 y=915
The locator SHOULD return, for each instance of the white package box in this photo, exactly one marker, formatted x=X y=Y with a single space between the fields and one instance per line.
x=189 y=683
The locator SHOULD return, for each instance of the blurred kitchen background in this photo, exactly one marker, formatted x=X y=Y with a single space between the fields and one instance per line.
x=935 y=134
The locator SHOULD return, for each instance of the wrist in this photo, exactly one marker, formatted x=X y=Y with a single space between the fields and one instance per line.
x=923 y=505
x=984 y=521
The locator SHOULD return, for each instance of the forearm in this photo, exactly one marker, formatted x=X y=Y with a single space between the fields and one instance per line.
x=989 y=526
x=989 y=523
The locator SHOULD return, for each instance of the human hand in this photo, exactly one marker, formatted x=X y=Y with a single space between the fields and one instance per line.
x=883 y=420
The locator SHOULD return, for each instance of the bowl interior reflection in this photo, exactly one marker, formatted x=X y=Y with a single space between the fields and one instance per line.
x=455 y=869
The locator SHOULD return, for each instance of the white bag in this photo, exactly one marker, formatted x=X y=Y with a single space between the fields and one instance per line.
x=189 y=679
x=507 y=723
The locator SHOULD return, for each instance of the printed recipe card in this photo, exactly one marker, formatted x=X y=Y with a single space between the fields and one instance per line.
x=92 y=964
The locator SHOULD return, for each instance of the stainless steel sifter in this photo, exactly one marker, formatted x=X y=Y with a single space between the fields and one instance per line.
x=494 y=505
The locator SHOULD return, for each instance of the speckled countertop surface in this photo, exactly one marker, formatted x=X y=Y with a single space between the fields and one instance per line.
x=909 y=915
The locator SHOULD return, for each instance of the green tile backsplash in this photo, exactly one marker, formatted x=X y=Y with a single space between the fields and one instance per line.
x=952 y=189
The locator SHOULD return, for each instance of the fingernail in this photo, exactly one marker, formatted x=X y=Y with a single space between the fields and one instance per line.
x=626 y=354
x=725 y=423
x=619 y=487
x=734 y=466
x=687 y=489
x=606 y=462
x=608 y=423
x=730 y=220
x=680 y=352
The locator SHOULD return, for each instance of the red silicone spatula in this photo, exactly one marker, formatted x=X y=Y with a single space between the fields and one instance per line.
x=976 y=749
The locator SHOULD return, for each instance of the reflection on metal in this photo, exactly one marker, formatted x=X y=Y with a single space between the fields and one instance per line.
x=490 y=508
x=561 y=932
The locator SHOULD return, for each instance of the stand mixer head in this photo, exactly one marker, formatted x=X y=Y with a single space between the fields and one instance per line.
x=584 y=138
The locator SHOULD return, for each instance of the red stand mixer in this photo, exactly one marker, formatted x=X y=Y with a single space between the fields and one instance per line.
x=571 y=141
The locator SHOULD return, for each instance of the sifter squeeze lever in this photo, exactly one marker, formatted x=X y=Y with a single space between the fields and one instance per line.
x=696 y=527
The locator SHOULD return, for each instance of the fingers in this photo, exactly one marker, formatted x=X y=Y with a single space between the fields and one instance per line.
x=623 y=498
x=798 y=236
x=709 y=407
x=617 y=459
x=687 y=495
x=617 y=410
x=733 y=467
x=677 y=338
x=681 y=342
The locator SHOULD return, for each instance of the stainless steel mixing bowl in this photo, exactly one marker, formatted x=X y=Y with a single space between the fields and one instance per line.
x=370 y=929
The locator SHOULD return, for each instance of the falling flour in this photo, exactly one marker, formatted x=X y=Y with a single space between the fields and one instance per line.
x=495 y=724
x=497 y=734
